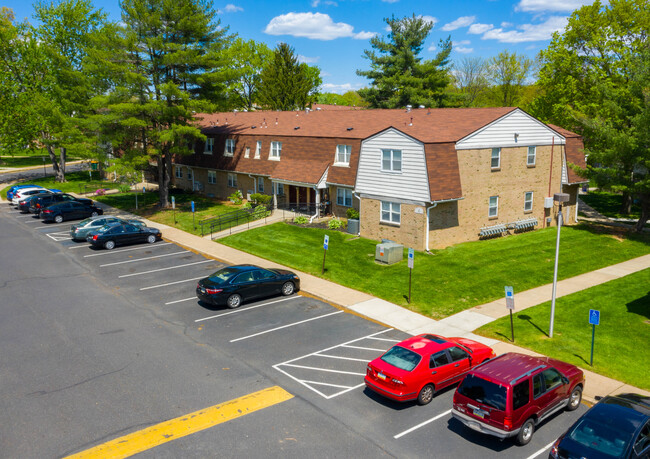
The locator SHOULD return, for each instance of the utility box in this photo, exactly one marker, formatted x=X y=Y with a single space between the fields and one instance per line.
x=389 y=252
x=548 y=203
x=353 y=226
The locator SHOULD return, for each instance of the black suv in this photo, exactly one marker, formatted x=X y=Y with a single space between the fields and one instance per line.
x=40 y=203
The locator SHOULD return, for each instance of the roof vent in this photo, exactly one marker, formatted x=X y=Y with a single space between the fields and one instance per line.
x=318 y=108
x=411 y=123
x=296 y=128
x=276 y=121
x=350 y=128
x=253 y=127
x=408 y=108
x=421 y=106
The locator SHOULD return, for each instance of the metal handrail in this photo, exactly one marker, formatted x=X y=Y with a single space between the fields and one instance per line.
x=234 y=218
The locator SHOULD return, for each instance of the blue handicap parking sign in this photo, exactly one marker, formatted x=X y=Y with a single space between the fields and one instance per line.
x=594 y=317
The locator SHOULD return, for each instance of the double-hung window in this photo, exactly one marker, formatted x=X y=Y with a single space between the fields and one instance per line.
x=179 y=172
x=260 y=184
x=528 y=201
x=209 y=145
x=232 y=180
x=276 y=150
x=247 y=152
x=344 y=197
x=343 y=155
x=230 y=147
x=190 y=176
x=495 y=158
x=279 y=189
x=493 y=208
x=391 y=160
x=258 y=149
x=212 y=177
x=390 y=212
x=532 y=156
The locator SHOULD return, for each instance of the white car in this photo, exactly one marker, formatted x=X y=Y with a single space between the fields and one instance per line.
x=24 y=193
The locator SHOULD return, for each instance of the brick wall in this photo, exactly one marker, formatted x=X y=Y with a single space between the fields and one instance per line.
x=410 y=231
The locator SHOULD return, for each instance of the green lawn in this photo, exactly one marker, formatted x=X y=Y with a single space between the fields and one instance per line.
x=76 y=182
x=609 y=204
x=622 y=341
x=35 y=159
x=449 y=280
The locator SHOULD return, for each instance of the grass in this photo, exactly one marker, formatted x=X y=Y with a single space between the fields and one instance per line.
x=75 y=183
x=622 y=340
x=449 y=280
x=36 y=159
x=609 y=204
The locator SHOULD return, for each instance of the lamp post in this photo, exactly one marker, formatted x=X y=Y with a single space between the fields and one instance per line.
x=559 y=198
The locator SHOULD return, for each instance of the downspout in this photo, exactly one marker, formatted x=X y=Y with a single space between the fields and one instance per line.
x=317 y=204
x=428 y=220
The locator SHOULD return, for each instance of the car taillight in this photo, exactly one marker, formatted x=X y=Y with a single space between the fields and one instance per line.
x=47 y=211
x=38 y=205
x=554 y=453
x=507 y=422
x=94 y=237
x=212 y=291
x=396 y=381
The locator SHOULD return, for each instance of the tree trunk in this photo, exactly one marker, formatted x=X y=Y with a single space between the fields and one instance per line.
x=626 y=203
x=63 y=154
x=162 y=190
x=60 y=177
x=645 y=212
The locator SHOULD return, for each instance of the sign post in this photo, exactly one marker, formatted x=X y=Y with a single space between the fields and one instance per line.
x=510 y=305
x=174 y=208
x=44 y=171
x=325 y=245
x=136 y=199
x=193 y=224
x=594 y=319
x=410 y=265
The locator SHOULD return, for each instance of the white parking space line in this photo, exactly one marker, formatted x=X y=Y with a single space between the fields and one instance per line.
x=537 y=453
x=110 y=252
x=285 y=326
x=79 y=246
x=26 y=216
x=385 y=339
x=342 y=358
x=435 y=418
x=172 y=283
x=52 y=225
x=309 y=383
x=363 y=348
x=246 y=309
x=145 y=258
x=180 y=301
x=59 y=236
x=327 y=370
x=164 y=269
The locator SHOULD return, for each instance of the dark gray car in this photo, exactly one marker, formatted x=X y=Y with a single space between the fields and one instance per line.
x=79 y=231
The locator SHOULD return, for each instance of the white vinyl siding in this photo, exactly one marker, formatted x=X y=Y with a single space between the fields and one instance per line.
x=412 y=184
x=209 y=145
x=232 y=180
x=532 y=156
x=495 y=159
x=343 y=153
x=258 y=149
x=230 y=147
x=493 y=206
x=212 y=177
x=344 y=197
x=390 y=212
x=528 y=201
x=275 y=151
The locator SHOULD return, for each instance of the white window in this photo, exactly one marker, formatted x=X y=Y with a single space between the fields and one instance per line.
x=495 y=161
x=232 y=180
x=179 y=172
x=343 y=154
x=260 y=184
x=532 y=156
x=391 y=160
x=258 y=149
x=247 y=153
x=190 y=176
x=212 y=177
x=528 y=201
x=276 y=150
x=390 y=212
x=209 y=145
x=344 y=197
x=493 y=209
x=279 y=189
x=230 y=147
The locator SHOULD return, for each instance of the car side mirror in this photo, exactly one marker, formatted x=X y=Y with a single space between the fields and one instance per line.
x=565 y=380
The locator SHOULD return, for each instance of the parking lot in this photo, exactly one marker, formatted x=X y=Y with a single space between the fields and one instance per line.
x=312 y=349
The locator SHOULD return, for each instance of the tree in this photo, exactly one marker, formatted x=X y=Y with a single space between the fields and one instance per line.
x=592 y=82
x=471 y=78
x=246 y=60
x=398 y=75
x=508 y=73
x=287 y=84
x=349 y=98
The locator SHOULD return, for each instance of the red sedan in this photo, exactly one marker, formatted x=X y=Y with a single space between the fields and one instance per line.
x=418 y=367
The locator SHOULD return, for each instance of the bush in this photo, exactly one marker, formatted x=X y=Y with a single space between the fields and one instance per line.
x=260 y=212
x=236 y=197
x=259 y=198
x=352 y=213
x=247 y=205
x=334 y=224
x=301 y=220
x=124 y=187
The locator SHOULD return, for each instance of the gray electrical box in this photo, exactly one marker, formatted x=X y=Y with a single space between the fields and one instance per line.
x=389 y=252
x=353 y=226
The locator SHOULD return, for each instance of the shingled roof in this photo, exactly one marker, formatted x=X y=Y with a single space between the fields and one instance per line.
x=575 y=152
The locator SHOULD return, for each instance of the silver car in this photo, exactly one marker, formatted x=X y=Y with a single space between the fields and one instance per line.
x=79 y=231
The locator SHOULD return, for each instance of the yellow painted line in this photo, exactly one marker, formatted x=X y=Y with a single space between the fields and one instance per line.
x=182 y=426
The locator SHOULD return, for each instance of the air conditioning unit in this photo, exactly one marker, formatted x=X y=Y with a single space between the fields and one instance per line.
x=389 y=252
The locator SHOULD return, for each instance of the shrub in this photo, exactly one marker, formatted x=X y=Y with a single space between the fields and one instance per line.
x=236 y=197
x=124 y=187
x=259 y=198
x=247 y=205
x=352 y=213
x=301 y=220
x=260 y=212
x=335 y=223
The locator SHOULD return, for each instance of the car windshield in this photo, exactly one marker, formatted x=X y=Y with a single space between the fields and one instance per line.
x=602 y=438
x=104 y=228
x=85 y=222
x=483 y=391
x=401 y=358
x=223 y=275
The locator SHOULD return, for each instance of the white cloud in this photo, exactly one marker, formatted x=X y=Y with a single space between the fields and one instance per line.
x=462 y=21
x=390 y=1
x=463 y=49
x=478 y=29
x=339 y=88
x=551 y=5
x=316 y=26
x=429 y=19
x=507 y=24
x=459 y=46
x=230 y=8
x=308 y=60
x=315 y=3
x=527 y=32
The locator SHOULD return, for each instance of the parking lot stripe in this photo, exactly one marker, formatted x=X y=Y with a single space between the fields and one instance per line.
x=79 y=246
x=167 y=431
x=52 y=225
x=164 y=269
x=341 y=358
x=385 y=339
x=172 y=283
x=324 y=369
x=537 y=453
x=111 y=252
x=399 y=435
x=180 y=301
x=145 y=258
x=247 y=309
x=327 y=384
x=363 y=348
x=285 y=326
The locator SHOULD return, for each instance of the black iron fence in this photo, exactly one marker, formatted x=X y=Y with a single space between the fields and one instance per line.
x=235 y=218
x=301 y=208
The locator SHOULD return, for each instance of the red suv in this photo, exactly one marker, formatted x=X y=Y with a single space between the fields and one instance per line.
x=509 y=395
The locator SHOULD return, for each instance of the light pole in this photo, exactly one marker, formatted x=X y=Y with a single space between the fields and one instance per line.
x=559 y=198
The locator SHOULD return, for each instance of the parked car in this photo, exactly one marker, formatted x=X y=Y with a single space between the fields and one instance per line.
x=618 y=426
x=235 y=284
x=23 y=204
x=81 y=230
x=37 y=205
x=113 y=234
x=12 y=190
x=511 y=394
x=418 y=367
x=24 y=192
x=69 y=211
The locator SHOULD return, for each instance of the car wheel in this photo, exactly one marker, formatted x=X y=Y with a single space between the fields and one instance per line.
x=288 y=288
x=109 y=245
x=576 y=397
x=426 y=394
x=234 y=301
x=58 y=219
x=151 y=239
x=94 y=213
x=526 y=432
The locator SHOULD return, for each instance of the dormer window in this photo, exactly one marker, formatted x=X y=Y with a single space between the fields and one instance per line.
x=209 y=145
x=391 y=160
x=230 y=147
x=343 y=155
x=276 y=150
x=258 y=149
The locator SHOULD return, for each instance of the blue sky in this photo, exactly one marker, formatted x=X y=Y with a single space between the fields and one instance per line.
x=332 y=34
